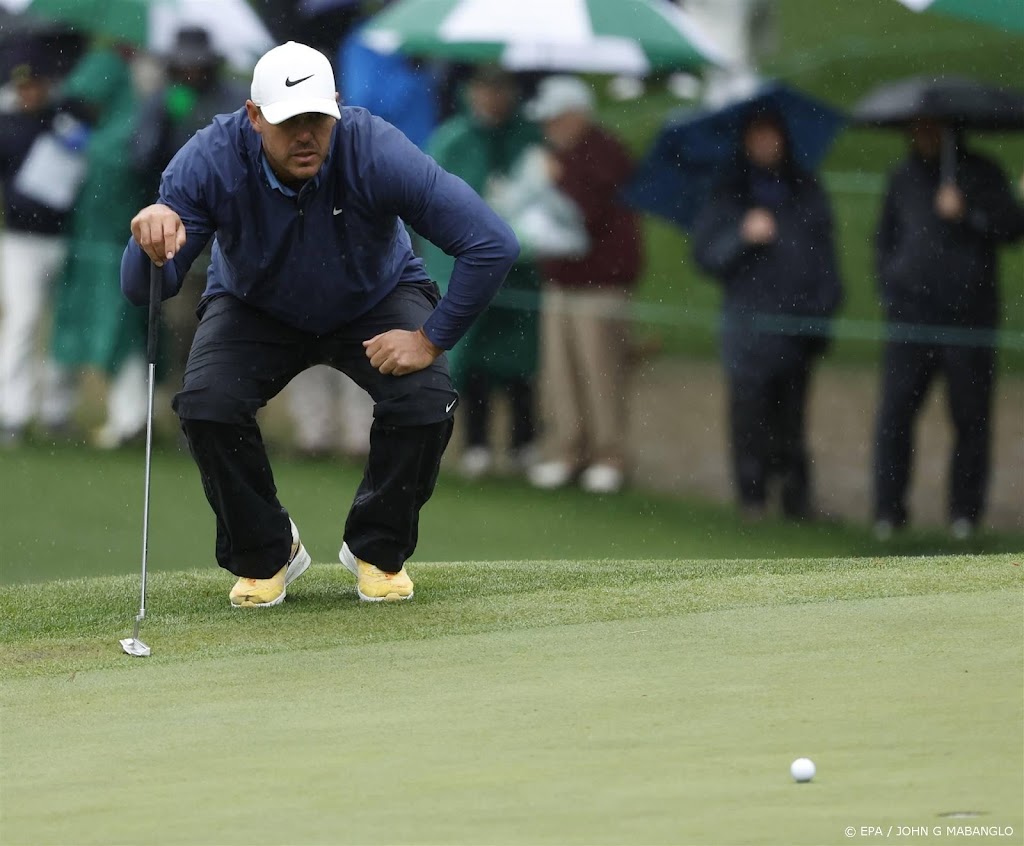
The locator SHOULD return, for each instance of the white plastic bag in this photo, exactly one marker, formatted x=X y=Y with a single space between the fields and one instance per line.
x=547 y=223
x=52 y=173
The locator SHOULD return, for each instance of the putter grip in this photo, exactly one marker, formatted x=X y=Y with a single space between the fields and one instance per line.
x=156 y=289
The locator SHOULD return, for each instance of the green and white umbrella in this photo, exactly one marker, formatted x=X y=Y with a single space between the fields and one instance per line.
x=600 y=36
x=1004 y=14
x=236 y=31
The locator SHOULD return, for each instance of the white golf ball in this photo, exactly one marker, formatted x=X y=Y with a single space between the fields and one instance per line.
x=802 y=769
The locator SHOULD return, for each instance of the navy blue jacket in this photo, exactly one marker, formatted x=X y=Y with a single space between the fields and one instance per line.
x=325 y=257
x=18 y=131
x=796 y=276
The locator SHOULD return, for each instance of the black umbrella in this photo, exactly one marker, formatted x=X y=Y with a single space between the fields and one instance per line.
x=955 y=101
x=960 y=102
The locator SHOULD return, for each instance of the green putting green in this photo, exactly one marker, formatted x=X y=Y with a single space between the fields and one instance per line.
x=513 y=702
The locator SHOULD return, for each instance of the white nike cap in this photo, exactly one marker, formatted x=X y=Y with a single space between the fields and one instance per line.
x=294 y=79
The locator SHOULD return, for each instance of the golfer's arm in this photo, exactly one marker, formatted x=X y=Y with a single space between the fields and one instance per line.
x=484 y=247
x=135 y=268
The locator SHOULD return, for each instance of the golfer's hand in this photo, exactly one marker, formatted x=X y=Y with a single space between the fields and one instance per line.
x=159 y=231
x=399 y=351
x=949 y=202
x=758 y=227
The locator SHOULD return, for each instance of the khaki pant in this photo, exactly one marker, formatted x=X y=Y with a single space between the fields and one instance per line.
x=585 y=367
x=31 y=384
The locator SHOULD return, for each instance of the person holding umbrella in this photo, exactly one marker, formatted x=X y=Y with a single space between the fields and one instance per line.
x=765 y=234
x=946 y=211
x=498 y=355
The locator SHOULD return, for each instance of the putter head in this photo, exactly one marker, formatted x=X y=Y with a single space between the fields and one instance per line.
x=135 y=647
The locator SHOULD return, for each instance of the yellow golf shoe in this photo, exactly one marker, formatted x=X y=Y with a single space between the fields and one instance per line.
x=374 y=584
x=263 y=593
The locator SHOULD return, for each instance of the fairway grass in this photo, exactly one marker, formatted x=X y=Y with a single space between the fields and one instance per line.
x=598 y=702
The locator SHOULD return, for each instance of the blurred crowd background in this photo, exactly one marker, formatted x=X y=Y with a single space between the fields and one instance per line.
x=714 y=198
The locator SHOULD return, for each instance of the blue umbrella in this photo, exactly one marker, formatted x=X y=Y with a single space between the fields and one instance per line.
x=674 y=179
x=311 y=8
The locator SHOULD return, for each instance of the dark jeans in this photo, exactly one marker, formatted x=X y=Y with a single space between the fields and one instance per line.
x=908 y=371
x=241 y=358
x=769 y=378
x=476 y=401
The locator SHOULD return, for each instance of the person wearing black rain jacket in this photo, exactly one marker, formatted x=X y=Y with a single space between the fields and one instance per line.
x=765 y=234
x=936 y=259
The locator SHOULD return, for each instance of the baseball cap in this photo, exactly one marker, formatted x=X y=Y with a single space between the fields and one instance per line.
x=557 y=95
x=293 y=79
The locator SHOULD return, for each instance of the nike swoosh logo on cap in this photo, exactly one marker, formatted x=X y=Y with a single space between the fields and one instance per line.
x=288 y=83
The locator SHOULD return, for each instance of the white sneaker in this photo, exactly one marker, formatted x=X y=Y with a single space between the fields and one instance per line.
x=602 y=479
x=549 y=475
x=883 y=530
x=961 y=529
x=108 y=437
x=476 y=461
x=521 y=460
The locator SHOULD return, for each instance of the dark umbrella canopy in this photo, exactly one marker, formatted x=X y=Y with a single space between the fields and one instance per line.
x=677 y=174
x=958 y=101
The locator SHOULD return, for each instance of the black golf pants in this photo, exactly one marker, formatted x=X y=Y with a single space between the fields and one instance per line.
x=241 y=358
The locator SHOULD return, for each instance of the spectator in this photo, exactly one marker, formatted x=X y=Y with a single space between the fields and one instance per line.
x=93 y=325
x=402 y=90
x=330 y=413
x=584 y=325
x=197 y=88
x=32 y=254
x=766 y=235
x=500 y=349
x=937 y=271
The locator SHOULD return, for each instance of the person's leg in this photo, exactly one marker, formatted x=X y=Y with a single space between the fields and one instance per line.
x=127 y=403
x=748 y=437
x=795 y=464
x=29 y=265
x=749 y=373
x=970 y=377
x=312 y=399
x=602 y=333
x=523 y=415
x=561 y=391
x=413 y=421
x=240 y=359
x=475 y=401
x=475 y=407
x=356 y=415
x=906 y=375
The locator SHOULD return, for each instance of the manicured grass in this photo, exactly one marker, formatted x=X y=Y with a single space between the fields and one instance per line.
x=571 y=702
x=72 y=512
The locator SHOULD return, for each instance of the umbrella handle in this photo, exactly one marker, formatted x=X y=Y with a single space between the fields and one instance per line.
x=947 y=159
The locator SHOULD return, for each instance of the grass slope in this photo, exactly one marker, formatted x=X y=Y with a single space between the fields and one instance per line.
x=72 y=512
x=514 y=702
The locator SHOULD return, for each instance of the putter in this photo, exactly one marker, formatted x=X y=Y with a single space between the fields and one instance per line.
x=132 y=645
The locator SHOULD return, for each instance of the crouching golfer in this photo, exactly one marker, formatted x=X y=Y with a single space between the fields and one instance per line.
x=307 y=205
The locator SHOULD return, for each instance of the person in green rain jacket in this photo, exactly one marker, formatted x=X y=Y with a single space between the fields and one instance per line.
x=94 y=326
x=500 y=350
